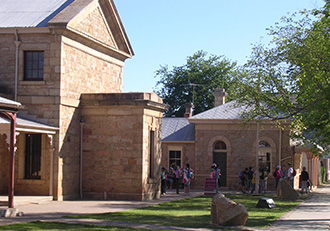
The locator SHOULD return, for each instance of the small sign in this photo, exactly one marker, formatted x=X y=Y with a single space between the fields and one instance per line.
x=210 y=186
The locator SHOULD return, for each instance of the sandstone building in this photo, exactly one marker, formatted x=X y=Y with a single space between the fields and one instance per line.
x=78 y=134
x=221 y=135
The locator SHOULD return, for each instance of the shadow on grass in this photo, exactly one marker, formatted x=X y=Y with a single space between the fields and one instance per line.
x=36 y=226
x=196 y=212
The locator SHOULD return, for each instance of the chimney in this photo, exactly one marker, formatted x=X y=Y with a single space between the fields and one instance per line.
x=219 y=96
x=188 y=112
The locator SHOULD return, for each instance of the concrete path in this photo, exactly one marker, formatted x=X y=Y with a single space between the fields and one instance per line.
x=312 y=214
x=55 y=210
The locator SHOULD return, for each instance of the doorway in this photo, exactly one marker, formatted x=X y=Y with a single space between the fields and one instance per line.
x=220 y=158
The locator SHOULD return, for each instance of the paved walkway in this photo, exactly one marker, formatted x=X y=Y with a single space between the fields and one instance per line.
x=312 y=214
x=55 y=210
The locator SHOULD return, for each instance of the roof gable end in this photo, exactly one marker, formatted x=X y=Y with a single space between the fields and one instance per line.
x=97 y=20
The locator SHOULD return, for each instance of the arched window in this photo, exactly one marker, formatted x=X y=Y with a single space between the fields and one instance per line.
x=219 y=145
x=264 y=144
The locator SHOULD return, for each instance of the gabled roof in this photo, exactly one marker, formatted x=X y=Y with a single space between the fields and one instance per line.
x=71 y=15
x=66 y=14
x=228 y=111
x=177 y=129
x=29 y=13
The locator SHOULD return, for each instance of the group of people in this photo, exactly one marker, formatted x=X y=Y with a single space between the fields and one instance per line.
x=248 y=178
x=176 y=176
x=215 y=173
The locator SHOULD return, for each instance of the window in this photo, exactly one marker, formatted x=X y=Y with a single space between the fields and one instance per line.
x=264 y=155
x=264 y=144
x=32 y=156
x=33 y=65
x=175 y=158
x=220 y=146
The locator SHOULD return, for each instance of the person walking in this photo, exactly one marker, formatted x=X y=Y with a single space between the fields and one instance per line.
x=264 y=174
x=177 y=178
x=187 y=175
x=253 y=183
x=249 y=179
x=290 y=175
x=243 y=177
x=277 y=175
x=218 y=174
x=283 y=172
x=304 y=179
x=163 y=181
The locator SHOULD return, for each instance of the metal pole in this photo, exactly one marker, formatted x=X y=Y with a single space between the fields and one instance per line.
x=81 y=158
x=12 y=161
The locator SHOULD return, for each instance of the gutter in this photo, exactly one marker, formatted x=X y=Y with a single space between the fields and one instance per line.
x=17 y=43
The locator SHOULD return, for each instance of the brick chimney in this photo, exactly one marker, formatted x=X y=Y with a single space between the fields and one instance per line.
x=219 y=96
x=188 y=112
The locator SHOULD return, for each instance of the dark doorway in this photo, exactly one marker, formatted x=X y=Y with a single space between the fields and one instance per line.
x=220 y=158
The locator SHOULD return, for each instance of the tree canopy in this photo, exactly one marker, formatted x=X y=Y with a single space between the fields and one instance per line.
x=290 y=77
x=194 y=82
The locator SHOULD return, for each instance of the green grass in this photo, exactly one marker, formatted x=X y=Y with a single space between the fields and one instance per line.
x=36 y=226
x=196 y=212
x=263 y=217
x=190 y=212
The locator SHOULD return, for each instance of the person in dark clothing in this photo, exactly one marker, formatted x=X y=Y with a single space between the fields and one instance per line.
x=304 y=179
x=249 y=178
x=163 y=181
x=243 y=176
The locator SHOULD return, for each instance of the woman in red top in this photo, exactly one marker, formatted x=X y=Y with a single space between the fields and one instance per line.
x=278 y=175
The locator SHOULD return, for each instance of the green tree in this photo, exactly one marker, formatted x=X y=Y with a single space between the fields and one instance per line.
x=194 y=81
x=290 y=78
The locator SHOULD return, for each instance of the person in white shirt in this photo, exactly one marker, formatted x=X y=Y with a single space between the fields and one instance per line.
x=290 y=175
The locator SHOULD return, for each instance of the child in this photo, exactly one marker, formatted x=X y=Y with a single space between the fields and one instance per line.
x=163 y=181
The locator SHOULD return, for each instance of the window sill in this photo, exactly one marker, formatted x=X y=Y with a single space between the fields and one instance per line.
x=27 y=82
x=29 y=181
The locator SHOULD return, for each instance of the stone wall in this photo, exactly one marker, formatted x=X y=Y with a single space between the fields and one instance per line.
x=116 y=146
x=241 y=149
x=83 y=70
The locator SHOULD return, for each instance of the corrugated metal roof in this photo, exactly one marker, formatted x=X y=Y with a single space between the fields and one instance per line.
x=177 y=129
x=21 y=122
x=9 y=102
x=229 y=111
x=29 y=13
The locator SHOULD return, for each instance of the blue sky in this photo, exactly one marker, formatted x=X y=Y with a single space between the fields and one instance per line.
x=165 y=32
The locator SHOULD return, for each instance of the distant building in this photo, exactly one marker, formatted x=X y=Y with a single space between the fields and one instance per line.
x=221 y=135
x=78 y=134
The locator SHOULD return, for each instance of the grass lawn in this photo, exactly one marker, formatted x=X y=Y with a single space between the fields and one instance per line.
x=36 y=226
x=196 y=212
x=190 y=212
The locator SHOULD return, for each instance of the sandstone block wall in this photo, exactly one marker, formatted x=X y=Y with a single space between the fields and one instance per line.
x=241 y=149
x=116 y=147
